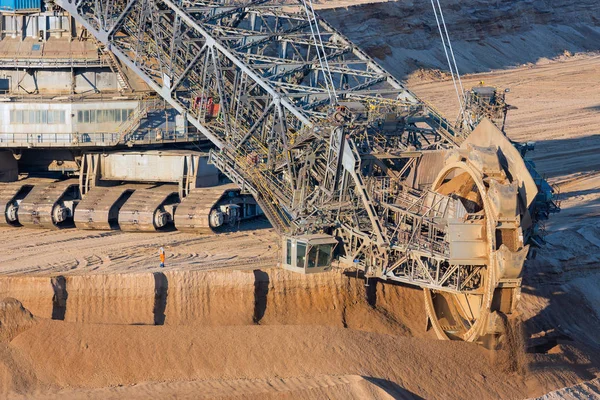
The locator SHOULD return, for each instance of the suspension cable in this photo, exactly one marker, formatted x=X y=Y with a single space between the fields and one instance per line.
x=451 y=49
x=320 y=47
x=458 y=95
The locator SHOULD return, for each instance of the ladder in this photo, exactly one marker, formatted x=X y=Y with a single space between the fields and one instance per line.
x=115 y=67
x=333 y=161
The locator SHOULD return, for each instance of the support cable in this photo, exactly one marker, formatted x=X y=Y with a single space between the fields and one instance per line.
x=435 y=12
x=451 y=49
x=320 y=47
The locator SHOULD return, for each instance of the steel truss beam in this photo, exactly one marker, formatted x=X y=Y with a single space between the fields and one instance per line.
x=248 y=77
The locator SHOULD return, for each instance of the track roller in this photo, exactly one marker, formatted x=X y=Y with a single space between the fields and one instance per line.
x=100 y=207
x=49 y=205
x=201 y=211
x=11 y=195
x=148 y=210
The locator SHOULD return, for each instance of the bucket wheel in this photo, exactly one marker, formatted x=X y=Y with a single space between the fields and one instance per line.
x=486 y=245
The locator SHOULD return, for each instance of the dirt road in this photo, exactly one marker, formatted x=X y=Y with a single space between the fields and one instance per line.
x=71 y=251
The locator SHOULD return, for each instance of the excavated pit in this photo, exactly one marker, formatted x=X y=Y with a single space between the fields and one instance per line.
x=238 y=333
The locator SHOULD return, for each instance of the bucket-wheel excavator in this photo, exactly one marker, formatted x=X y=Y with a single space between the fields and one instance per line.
x=346 y=163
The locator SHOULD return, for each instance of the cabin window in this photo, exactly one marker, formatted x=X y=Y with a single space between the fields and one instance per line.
x=325 y=253
x=313 y=253
x=288 y=254
x=103 y=116
x=300 y=254
x=312 y=257
x=27 y=117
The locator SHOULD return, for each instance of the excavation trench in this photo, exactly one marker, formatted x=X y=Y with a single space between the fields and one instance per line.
x=243 y=297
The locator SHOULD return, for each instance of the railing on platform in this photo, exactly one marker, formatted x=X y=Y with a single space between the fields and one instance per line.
x=104 y=139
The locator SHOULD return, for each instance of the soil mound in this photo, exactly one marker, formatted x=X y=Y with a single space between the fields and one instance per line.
x=344 y=387
x=90 y=356
x=14 y=319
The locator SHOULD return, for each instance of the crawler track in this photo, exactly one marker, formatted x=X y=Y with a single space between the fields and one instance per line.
x=100 y=207
x=10 y=196
x=194 y=212
x=44 y=206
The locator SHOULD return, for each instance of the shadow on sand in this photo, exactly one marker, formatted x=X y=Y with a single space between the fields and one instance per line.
x=392 y=388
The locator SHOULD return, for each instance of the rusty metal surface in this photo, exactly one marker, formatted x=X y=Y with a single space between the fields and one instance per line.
x=192 y=215
x=488 y=237
x=137 y=214
x=36 y=208
x=99 y=207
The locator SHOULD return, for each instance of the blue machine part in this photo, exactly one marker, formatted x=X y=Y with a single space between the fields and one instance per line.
x=20 y=5
x=545 y=202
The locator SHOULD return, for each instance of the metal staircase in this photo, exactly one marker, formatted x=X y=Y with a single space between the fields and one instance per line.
x=263 y=196
x=135 y=119
x=115 y=67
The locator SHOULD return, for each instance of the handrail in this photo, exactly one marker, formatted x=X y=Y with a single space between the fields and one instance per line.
x=95 y=139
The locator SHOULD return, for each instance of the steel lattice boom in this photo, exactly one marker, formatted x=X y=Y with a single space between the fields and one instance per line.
x=361 y=164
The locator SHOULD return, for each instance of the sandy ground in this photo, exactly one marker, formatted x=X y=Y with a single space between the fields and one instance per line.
x=586 y=390
x=558 y=107
x=73 y=251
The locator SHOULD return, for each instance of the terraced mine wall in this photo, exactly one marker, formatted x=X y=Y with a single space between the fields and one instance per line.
x=486 y=35
x=222 y=298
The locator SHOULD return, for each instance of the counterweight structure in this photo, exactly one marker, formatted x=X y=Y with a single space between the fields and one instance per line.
x=329 y=143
